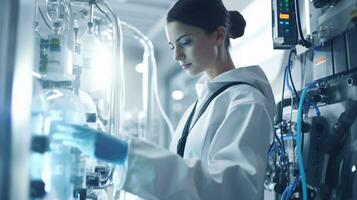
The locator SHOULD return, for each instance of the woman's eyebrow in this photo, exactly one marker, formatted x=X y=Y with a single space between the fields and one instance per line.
x=182 y=36
x=179 y=38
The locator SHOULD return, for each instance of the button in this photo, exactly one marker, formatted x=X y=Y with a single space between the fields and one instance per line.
x=284 y=16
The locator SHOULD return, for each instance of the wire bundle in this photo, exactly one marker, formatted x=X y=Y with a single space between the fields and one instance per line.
x=298 y=139
x=288 y=81
x=277 y=148
x=288 y=192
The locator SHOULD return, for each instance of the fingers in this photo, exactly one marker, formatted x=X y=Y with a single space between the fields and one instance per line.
x=62 y=127
x=62 y=136
x=67 y=127
x=68 y=140
x=82 y=146
x=76 y=137
x=62 y=130
x=80 y=137
x=70 y=143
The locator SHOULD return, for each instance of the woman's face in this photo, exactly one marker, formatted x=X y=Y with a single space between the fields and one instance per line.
x=195 y=50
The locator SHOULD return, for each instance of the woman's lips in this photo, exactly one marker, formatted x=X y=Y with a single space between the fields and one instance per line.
x=185 y=66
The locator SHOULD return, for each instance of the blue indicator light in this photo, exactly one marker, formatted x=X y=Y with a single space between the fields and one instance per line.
x=287 y=23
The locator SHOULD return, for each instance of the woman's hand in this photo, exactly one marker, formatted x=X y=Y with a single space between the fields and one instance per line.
x=91 y=142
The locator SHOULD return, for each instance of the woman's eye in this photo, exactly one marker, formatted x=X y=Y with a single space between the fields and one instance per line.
x=186 y=42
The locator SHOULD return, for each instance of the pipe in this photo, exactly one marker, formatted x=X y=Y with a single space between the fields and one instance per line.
x=148 y=47
x=117 y=91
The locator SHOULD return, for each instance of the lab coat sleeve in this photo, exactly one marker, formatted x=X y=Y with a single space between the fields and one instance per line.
x=234 y=167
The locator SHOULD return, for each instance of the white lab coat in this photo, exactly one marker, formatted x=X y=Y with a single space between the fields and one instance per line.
x=225 y=155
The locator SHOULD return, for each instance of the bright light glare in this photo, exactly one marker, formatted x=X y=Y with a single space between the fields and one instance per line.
x=353 y=168
x=102 y=67
x=128 y=116
x=97 y=69
x=177 y=95
x=139 y=68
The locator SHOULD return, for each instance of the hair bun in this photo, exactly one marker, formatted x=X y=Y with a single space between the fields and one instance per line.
x=237 y=24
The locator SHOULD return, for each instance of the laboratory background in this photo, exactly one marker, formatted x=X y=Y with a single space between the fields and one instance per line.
x=107 y=64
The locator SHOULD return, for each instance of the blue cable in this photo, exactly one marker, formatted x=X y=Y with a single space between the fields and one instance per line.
x=284 y=195
x=287 y=192
x=275 y=147
x=271 y=148
x=298 y=140
x=292 y=188
x=281 y=133
x=287 y=80
x=317 y=109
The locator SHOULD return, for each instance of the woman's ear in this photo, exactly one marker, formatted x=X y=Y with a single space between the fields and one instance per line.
x=220 y=35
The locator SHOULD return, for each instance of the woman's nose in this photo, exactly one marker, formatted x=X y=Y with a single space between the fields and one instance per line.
x=178 y=55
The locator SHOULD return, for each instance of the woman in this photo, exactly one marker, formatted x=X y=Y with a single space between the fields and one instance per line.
x=222 y=139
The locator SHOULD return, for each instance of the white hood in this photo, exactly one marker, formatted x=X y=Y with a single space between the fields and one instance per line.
x=252 y=74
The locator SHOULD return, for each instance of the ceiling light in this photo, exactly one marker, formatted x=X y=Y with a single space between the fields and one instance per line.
x=177 y=95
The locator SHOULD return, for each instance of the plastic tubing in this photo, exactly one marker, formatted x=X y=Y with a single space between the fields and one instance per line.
x=298 y=140
x=156 y=90
x=148 y=45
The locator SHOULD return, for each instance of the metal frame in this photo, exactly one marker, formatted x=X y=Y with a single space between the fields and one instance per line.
x=8 y=15
x=16 y=62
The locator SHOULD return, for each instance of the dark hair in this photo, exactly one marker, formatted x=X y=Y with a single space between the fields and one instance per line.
x=208 y=15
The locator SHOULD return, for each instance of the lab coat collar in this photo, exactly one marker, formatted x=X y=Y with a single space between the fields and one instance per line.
x=212 y=85
x=253 y=75
x=232 y=75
